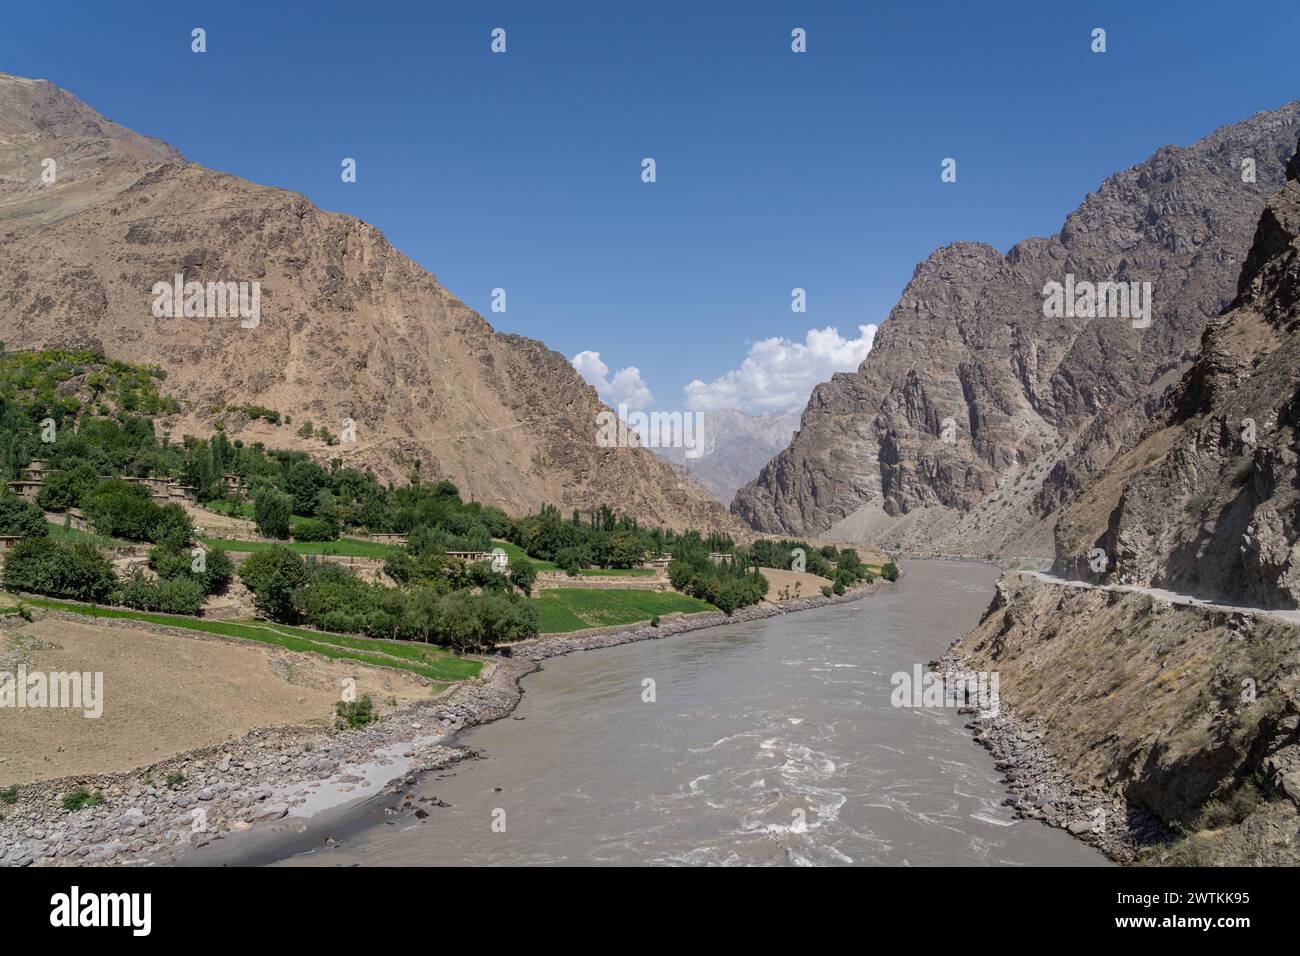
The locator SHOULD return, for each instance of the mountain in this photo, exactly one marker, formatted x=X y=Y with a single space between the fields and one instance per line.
x=1181 y=717
x=1033 y=406
x=1208 y=501
x=736 y=447
x=346 y=327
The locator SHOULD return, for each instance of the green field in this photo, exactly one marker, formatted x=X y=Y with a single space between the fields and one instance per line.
x=347 y=547
x=427 y=660
x=572 y=609
x=242 y=510
x=515 y=552
x=60 y=533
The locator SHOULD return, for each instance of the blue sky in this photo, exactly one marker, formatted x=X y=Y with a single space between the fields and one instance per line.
x=775 y=170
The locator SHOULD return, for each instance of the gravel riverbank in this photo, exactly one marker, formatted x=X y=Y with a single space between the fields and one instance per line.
x=1040 y=790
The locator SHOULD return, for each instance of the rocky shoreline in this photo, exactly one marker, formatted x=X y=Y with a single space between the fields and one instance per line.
x=152 y=814
x=1040 y=790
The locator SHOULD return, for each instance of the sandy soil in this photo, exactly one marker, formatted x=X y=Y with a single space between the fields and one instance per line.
x=810 y=585
x=165 y=694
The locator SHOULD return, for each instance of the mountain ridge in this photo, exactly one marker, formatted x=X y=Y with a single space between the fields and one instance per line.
x=1034 y=406
x=351 y=328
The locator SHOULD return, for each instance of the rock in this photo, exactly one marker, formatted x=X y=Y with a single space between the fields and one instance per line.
x=270 y=811
x=133 y=817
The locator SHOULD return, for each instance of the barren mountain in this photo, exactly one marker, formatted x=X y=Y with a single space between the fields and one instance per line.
x=736 y=447
x=349 y=328
x=1208 y=501
x=975 y=418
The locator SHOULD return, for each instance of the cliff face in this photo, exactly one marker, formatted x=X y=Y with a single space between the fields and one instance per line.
x=349 y=328
x=975 y=418
x=1208 y=501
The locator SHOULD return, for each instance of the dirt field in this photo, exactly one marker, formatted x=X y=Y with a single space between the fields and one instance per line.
x=810 y=585
x=164 y=695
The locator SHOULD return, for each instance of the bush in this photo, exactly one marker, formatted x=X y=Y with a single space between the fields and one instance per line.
x=72 y=569
x=523 y=574
x=356 y=713
x=826 y=590
x=168 y=595
x=18 y=516
x=9 y=794
x=124 y=509
x=889 y=572
x=273 y=576
x=271 y=511
x=180 y=596
x=81 y=797
x=314 y=529
x=175 y=563
x=61 y=490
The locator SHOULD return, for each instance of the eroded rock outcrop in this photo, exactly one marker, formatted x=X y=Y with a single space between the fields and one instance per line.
x=975 y=418
x=1208 y=501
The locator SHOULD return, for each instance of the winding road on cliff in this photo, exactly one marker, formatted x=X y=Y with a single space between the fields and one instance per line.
x=1171 y=597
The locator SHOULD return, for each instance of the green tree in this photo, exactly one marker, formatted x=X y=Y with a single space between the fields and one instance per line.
x=271 y=511
x=273 y=576
x=523 y=574
x=21 y=517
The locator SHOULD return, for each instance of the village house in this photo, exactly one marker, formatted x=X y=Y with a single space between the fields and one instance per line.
x=499 y=559
x=26 y=489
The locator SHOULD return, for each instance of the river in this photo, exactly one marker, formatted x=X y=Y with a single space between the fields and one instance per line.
x=767 y=743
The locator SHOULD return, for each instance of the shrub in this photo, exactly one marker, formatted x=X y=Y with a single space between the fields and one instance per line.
x=172 y=563
x=169 y=595
x=21 y=517
x=271 y=510
x=124 y=510
x=889 y=572
x=10 y=794
x=356 y=713
x=314 y=529
x=180 y=596
x=61 y=490
x=523 y=574
x=72 y=569
x=273 y=576
x=175 y=779
x=826 y=590
x=81 y=797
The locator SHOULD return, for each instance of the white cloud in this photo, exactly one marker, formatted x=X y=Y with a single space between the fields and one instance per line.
x=779 y=374
x=625 y=388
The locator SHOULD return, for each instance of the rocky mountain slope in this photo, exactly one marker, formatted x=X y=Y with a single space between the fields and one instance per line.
x=975 y=418
x=1183 y=714
x=1208 y=501
x=736 y=447
x=349 y=328
x=1189 y=713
